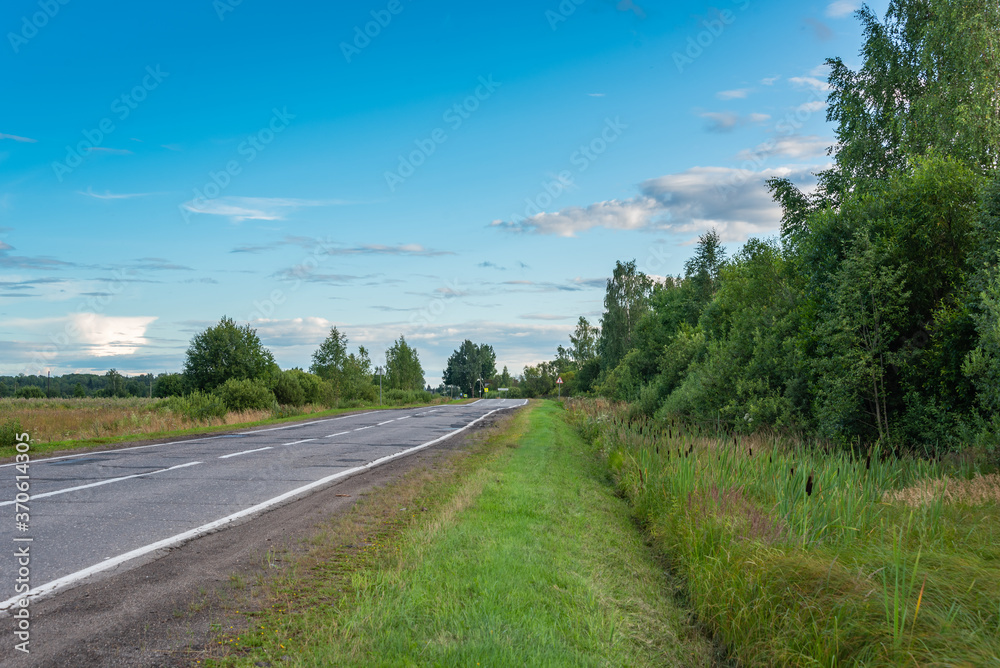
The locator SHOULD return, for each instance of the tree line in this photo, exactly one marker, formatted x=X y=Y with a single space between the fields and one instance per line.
x=875 y=315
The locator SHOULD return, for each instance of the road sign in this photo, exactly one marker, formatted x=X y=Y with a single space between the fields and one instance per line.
x=559 y=382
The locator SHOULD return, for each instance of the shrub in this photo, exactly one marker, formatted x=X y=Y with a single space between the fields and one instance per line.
x=9 y=430
x=197 y=406
x=311 y=384
x=288 y=390
x=30 y=392
x=245 y=395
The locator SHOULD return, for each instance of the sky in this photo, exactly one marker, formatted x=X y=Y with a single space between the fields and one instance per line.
x=442 y=171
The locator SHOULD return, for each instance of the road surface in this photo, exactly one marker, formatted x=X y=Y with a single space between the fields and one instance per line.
x=104 y=511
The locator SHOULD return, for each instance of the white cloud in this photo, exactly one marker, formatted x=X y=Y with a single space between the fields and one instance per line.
x=108 y=195
x=630 y=214
x=810 y=82
x=797 y=147
x=596 y=94
x=841 y=8
x=90 y=334
x=238 y=209
x=18 y=139
x=734 y=201
x=811 y=107
x=727 y=121
x=769 y=81
x=737 y=94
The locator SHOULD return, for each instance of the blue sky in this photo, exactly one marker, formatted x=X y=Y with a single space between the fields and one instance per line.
x=438 y=170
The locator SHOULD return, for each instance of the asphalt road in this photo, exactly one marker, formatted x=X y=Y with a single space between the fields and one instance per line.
x=110 y=510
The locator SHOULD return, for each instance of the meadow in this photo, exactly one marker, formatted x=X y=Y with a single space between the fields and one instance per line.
x=795 y=553
x=95 y=420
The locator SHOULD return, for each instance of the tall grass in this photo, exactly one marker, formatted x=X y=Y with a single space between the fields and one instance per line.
x=798 y=554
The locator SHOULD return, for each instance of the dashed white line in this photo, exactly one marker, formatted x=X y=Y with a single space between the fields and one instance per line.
x=363 y=428
x=304 y=440
x=338 y=434
x=405 y=417
x=245 y=452
x=386 y=422
x=102 y=482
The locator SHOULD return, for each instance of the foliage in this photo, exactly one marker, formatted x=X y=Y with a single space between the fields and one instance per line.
x=226 y=351
x=245 y=395
x=288 y=390
x=197 y=406
x=402 y=364
x=625 y=301
x=469 y=364
x=169 y=385
x=30 y=392
x=10 y=429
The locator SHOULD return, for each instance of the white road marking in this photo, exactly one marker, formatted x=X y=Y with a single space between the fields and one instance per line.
x=363 y=428
x=386 y=422
x=59 y=584
x=245 y=452
x=193 y=440
x=304 y=440
x=102 y=482
x=405 y=417
x=338 y=434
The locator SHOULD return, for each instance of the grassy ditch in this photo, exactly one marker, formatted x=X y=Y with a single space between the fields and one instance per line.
x=796 y=556
x=520 y=555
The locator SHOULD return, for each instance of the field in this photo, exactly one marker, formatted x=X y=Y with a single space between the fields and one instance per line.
x=797 y=554
x=62 y=421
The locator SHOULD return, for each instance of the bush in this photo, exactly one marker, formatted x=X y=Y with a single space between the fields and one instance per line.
x=288 y=390
x=245 y=395
x=169 y=385
x=9 y=430
x=30 y=392
x=197 y=406
x=312 y=386
x=400 y=397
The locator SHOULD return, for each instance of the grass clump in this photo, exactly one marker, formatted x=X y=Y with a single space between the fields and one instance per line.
x=527 y=557
x=796 y=555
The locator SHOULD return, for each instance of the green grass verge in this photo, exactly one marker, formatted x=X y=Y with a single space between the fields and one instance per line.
x=525 y=557
x=797 y=556
x=49 y=447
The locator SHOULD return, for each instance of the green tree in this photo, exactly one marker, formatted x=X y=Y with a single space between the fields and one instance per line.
x=930 y=79
x=626 y=300
x=78 y=391
x=329 y=359
x=403 y=370
x=115 y=386
x=469 y=363
x=584 y=342
x=226 y=351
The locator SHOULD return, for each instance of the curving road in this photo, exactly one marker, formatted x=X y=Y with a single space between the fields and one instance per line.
x=95 y=512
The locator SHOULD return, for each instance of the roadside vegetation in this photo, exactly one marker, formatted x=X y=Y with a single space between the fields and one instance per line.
x=229 y=379
x=796 y=553
x=521 y=555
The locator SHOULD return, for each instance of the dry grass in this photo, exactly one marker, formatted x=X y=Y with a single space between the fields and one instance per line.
x=978 y=491
x=49 y=420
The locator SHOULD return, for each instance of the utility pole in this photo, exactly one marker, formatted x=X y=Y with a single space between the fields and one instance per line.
x=378 y=370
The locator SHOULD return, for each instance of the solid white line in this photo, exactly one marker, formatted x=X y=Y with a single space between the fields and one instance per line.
x=304 y=440
x=245 y=452
x=103 y=482
x=54 y=586
x=193 y=440
x=338 y=434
